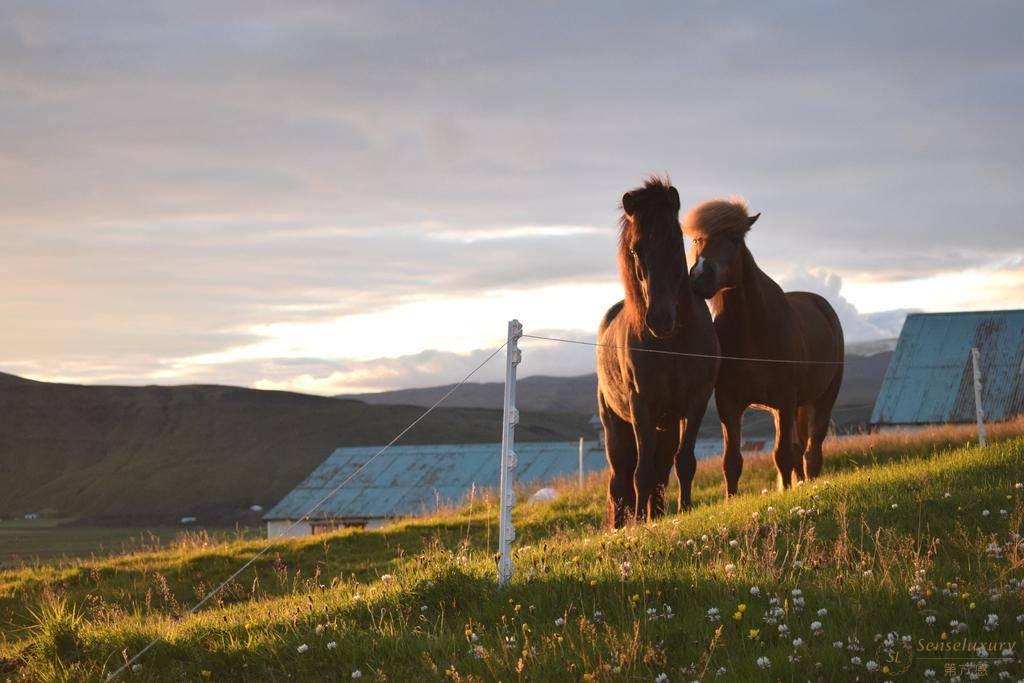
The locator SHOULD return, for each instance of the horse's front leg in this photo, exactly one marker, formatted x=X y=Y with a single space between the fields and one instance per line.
x=731 y=415
x=645 y=476
x=686 y=460
x=668 y=444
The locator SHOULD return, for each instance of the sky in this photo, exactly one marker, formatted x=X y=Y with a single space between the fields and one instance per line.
x=346 y=197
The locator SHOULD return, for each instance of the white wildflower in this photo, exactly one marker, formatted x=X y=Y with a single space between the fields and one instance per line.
x=332 y=645
x=303 y=648
x=764 y=662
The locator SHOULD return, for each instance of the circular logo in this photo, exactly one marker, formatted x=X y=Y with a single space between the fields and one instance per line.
x=896 y=659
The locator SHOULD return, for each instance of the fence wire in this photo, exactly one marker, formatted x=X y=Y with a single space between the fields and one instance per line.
x=683 y=353
x=304 y=517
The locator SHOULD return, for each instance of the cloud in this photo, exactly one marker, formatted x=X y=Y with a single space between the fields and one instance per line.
x=856 y=327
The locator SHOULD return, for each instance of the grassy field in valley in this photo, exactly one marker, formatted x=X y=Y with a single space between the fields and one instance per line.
x=904 y=550
x=29 y=542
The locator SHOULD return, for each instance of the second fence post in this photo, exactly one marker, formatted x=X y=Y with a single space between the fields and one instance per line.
x=581 y=463
x=509 y=420
x=979 y=413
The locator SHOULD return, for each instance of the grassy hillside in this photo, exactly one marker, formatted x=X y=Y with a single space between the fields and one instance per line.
x=159 y=453
x=905 y=536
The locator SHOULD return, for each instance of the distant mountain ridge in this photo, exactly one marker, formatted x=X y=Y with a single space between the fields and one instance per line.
x=862 y=380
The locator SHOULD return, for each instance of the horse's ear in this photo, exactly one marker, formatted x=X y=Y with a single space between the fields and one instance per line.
x=752 y=219
x=674 y=194
x=627 y=204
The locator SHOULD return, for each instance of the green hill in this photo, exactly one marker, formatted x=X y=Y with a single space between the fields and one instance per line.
x=157 y=453
x=904 y=537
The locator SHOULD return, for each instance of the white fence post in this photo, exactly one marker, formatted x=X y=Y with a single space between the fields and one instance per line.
x=510 y=418
x=581 y=463
x=977 y=395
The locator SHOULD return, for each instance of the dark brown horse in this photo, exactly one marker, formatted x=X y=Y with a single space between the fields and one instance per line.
x=755 y=319
x=651 y=404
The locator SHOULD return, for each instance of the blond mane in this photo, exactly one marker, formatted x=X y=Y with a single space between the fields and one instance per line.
x=717 y=216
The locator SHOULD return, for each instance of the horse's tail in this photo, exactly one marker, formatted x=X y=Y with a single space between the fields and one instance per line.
x=609 y=316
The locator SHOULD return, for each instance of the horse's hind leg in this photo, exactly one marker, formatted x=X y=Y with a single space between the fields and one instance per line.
x=820 y=417
x=785 y=423
x=620 y=449
x=686 y=461
x=801 y=433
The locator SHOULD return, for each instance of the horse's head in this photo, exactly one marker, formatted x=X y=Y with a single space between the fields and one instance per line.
x=717 y=229
x=652 y=257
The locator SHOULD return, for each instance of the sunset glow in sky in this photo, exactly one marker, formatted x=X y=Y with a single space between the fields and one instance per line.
x=333 y=198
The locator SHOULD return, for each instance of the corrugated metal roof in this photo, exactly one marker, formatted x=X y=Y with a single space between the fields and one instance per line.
x=411 y=480
x=930 y=378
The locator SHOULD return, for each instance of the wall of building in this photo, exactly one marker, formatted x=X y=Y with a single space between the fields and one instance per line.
x=278 y=528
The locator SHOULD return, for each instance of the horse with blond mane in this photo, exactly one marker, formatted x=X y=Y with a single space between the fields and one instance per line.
x=796 y=334
x=656 y=360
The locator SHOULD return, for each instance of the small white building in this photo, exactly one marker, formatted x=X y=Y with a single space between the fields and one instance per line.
x=406 y=481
